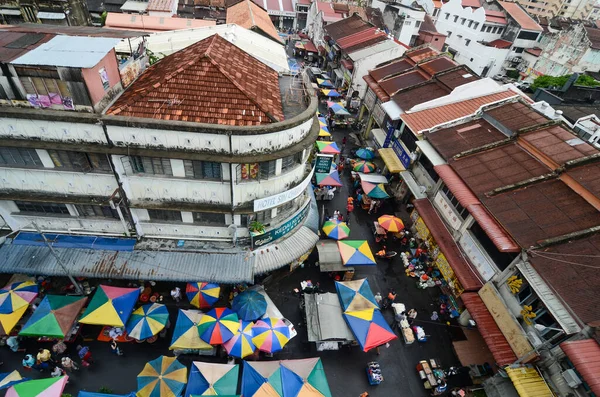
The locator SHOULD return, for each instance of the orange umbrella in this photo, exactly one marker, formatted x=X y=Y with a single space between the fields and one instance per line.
x=391 y=223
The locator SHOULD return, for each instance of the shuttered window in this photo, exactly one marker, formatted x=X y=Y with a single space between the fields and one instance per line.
x=19 y=157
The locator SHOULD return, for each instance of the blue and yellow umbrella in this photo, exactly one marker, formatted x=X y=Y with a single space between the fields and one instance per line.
x=330 y=93
x=365 y=154
x=218 y=325
x=270 y=334
x=147 y=321
x=202 y=295
x=162 y=377
x=241 y=344
x=17 y=295
x=336 y=230
x=185 y=334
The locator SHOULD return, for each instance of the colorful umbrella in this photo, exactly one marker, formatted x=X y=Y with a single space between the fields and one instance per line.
x=391 y=223
x=48 y=387
x=364 y=166
x=324 y=131
x=369 y=327
x=54 y=316
x=336 y=230
x=185 y=334
x=241 y=344
x=331 y=179
x=110 y=306
x=296 y=378
x=218 y=325
x=162 y=377
x=17 y=295
x=213 y=379
x=147 y=321
x=355 y=295
x=337 y=108
x=270 y=334
x=374 y=191
x=365 y=154
x=249 y=305
x=328 y=147
x=8 y=321
x=202 y=295
x=7 y=379
x=322 y=122
x=83 y=393
x=330 y=93
x=356 y=252
x=324 y=83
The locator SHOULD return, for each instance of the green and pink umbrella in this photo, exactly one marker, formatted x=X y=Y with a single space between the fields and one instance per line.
x=48 y=387
x=218 y=325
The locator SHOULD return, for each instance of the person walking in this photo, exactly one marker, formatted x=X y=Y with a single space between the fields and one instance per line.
x=68 y=364
x=85 y=355
x=349 y=207
x=13 y=343
x=115 y=348
x=44 y=356
x=28 y=362
x=176 y=294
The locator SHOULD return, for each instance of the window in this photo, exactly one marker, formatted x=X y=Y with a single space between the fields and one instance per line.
x=42 y=208
x=254 y=171
x=19 y=157
x=209 y=218
x=455 y=18
x=263 y=217
x=164 y=215
x=518 y=50
x=202 y=169
x=460 y=210
x=476 y=25
x=417 y=24
x=483 y=27
x=470 y=23
x=528 y=35
x=79 y=161
x=463 y=20
x=467 y=42
x=407 y=22
x=267 y=169
x=501 y=259
x=488 y=29
x=436 y=11
x=495 y=29
x=449 y=33
x=151 y=165
x=428 y=166
x=500 y=30
x=104 y=211
x=290 y=161
x=447 y=15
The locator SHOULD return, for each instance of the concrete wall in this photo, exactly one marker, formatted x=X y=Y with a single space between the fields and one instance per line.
x=93 y=81
x=435 y=40
x=53 y=131
x=362 y=66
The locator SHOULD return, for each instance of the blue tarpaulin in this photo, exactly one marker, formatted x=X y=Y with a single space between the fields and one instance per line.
x=66 y=241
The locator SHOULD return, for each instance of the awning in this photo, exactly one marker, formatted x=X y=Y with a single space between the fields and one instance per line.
x=501 y=239
x=51 y=15
x=330 y=259
x=324 y=320
x=497 y=343
x=373 y=178
x=417 y=190
x=585 y=356
x=280 y=254
x=551 y=301
x=211 y=266
x=444 y=240
x=5 y=11
x=379 y=136
x=310 y=47
x=529 y=382
x=392 y=109
x=347 y=64
x=391 y=160
x=429 y=152
x=338 y=73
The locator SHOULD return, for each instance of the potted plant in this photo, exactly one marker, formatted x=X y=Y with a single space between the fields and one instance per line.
x=256 y=227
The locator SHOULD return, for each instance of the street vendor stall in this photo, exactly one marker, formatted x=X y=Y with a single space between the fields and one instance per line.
x=272 y=310
x=55 y=318
x=330 y=261
x=339 y=114
x=325 y=323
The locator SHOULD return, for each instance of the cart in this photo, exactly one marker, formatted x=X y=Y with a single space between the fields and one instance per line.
x=374 y=373
x=430 y=372
x=402 y=323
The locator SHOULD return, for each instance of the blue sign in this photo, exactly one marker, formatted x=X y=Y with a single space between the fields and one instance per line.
x=389 y=136
x=401 y=153
x=258 y=240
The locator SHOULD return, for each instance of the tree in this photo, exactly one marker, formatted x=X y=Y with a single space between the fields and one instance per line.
x=551 y=81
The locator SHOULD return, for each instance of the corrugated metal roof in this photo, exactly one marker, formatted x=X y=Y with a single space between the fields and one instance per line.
x=529 y=382
x=496 y=341
x=391 y=68
x=219 y=267
x=86 y=31
x=324 y=320
x=585 y=356
x=65 y=51
x=361 y=39
x=346 y=27
x=283 y=253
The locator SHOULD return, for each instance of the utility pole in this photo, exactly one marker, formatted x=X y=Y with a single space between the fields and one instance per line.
x=58 y=260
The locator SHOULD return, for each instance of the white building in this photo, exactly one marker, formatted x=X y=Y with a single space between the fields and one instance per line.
x=403 y=21
x=594 y=14
x=576 y=9
x=488 y=40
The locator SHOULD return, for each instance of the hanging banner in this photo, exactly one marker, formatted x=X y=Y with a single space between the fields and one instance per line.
x=323 y=163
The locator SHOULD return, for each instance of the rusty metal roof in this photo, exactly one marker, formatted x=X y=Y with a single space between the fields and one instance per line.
x=459 y=138
x=220 y=267
x=516 y=115
x=383 y=97
x=15 y=44
x=419 y=54
x=455 y=78
x=394 y=84
x=585 y=356
x=412 y=96
x=576 y=283
x=362 y=39
x=346 y=27
x=90 y=31
x=211 y=81
x=395 y=67
x=445 y=241
x=542 y=211
x=495 y=340
x=437 y=65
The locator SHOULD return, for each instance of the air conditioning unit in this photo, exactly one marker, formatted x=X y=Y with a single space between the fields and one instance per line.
x=571 y=378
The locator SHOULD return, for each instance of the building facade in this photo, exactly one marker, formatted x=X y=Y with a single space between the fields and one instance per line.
x=65 y=13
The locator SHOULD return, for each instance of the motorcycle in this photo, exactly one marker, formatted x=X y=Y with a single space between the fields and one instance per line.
x=386 y=255
x=389 y=299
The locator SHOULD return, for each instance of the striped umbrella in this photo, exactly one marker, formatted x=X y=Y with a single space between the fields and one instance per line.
x=391 y=223
x=270 y=334
x=202 y=295
x=147 y=321
x=365 y=154
x=375 y=191
x=241 y=344
x=364 y=166
x=336 y=230
x=218 y=325
x=17 y=295
x=162 y=377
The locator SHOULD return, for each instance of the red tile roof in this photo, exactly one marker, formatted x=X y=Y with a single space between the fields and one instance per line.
x=496 y=341
x=347 y=64
x=212 y=81
x=585 y=356
x=471 y=3
x=383 y=97
x=429 y=118
x=520 y=16
x=495 y=17
x=160 y=5
x=445 y=241
x=593 y=36
x=499 y=43
x=534 y=51
x=394 y=67
x=421 y=53
x=516 y=115
x=309 y=46
x=249 y=15
x=362 y=39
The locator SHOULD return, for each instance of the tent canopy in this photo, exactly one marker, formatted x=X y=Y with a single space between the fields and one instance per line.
x=110 y=306
x=356 y=252
x=54 y=316
x=212 y=379
x=324 y=318
x=185 y=334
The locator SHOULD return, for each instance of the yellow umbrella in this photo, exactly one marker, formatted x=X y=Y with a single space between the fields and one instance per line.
x=162 y=377
x=8 y=321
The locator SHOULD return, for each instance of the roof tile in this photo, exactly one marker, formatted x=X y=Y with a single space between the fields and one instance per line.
x=249 y=15
x=520 y=16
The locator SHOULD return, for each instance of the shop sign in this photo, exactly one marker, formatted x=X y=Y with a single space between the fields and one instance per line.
x=282 y=13
x=278 y=199
x=323 y=163
x=401 y=152
x=477 y=258
x=278 y=232
x=370 y=99
x=447 y=210
x=327 y=48
x=422 y=230
x=508 y=325
x=347 y=76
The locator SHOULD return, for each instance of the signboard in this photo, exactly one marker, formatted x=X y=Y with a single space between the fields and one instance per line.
x=281 y=230
x=476 y=257
x=508 y=325
x=278 y=199
x=323 y=163
x=282 y=13
x=390 y=134
x=447 y=210
x=402 y=153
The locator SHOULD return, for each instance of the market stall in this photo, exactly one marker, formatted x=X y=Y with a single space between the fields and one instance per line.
x=324 y=322
x=55 y=318
x=186 y=339
x=341 y=117
x=208 y=379
x=272 y=310
x=330 y=261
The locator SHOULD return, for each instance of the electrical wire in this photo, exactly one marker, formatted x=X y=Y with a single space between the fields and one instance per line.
x=562 y=254
x=564 y=261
